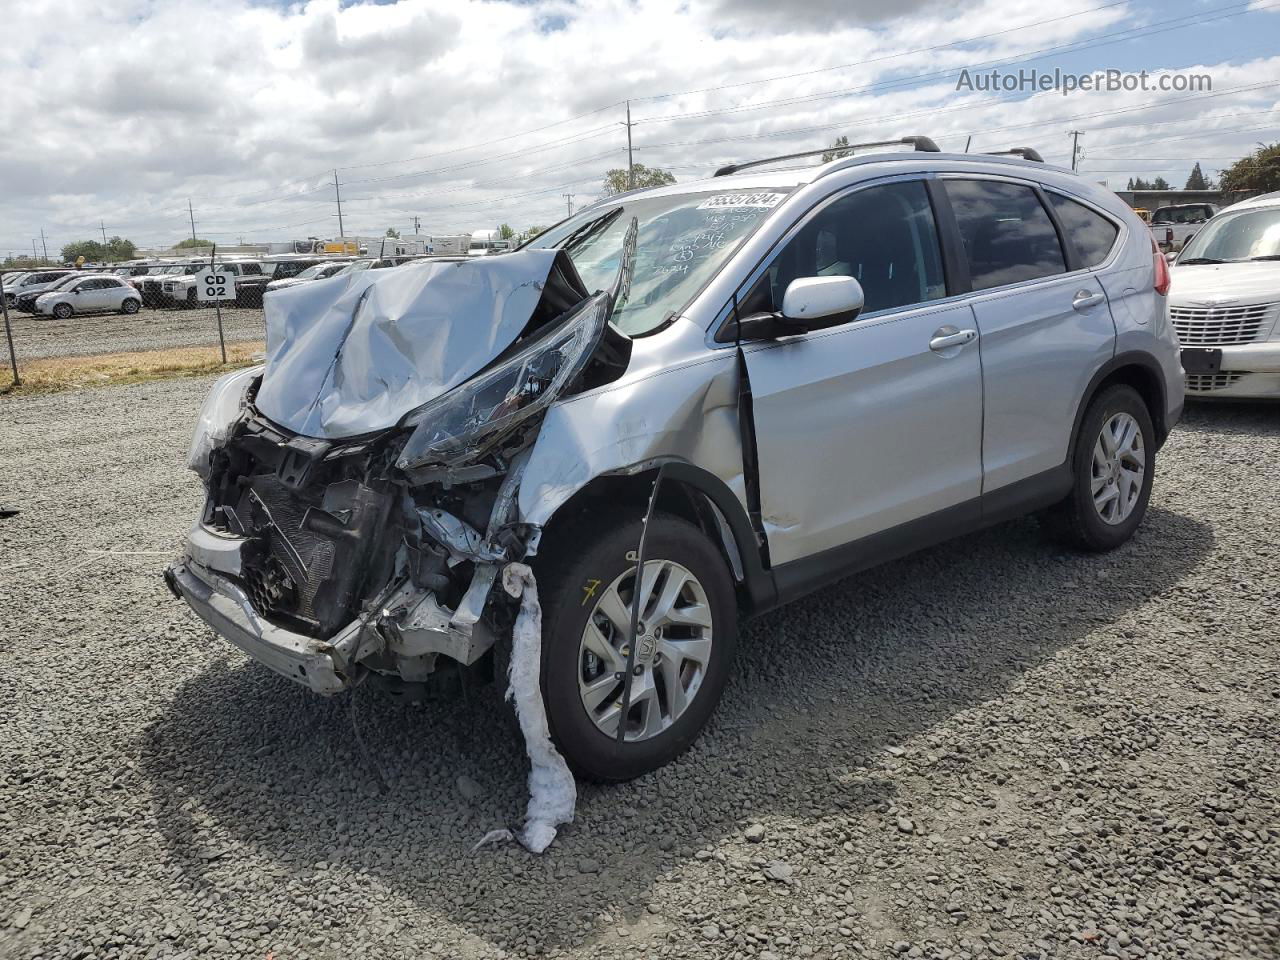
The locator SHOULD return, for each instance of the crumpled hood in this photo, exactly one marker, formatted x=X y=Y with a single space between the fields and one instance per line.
x=353 y=354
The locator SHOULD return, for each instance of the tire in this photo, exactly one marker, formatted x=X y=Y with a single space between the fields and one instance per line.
x=62 y=311
x=592 y=564
x=190 y=303
x=1080 y=522
x=130 y=305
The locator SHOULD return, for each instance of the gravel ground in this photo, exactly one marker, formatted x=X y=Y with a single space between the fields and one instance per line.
x=94 y=334
x=987 y=749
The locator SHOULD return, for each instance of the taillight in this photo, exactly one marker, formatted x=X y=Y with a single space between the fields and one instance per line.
x=1162 y=278
x=1168 y=235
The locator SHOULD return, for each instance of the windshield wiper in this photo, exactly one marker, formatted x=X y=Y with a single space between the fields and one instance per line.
x=1269 y=256
x=590 y=229
x=1183 y=263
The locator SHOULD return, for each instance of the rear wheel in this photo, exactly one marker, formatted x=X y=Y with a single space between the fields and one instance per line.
x=130 y=306
x=1113 y=465
x=685 y=641
x=62 y=311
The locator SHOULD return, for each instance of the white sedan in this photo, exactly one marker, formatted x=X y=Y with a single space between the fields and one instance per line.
x=90 y=295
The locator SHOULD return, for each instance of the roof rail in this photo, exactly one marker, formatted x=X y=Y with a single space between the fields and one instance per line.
x=1026 y=153
x=916 y=143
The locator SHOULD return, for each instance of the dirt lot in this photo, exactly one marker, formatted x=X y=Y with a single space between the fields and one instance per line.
x=36 y=337
x=991 y=749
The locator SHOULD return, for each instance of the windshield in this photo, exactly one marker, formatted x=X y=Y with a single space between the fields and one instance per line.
x=1247 y=235
x=682 y=242
x=1193 y=214
x=63 y=282
x=311 y=273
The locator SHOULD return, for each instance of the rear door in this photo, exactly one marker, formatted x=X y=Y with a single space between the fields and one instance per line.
x=1043 y=318
x=864 y=427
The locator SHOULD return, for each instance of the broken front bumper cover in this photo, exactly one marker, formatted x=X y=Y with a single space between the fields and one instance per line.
x=409 y=629
x=318 y=664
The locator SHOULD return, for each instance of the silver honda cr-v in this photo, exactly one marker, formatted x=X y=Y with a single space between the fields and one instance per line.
x=730 y=392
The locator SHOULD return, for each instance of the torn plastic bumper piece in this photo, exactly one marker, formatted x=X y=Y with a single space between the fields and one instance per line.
x=318 y=664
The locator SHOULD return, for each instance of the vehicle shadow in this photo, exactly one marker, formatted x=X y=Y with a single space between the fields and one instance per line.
x=245 y=762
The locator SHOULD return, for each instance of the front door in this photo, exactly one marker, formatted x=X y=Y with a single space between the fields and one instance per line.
x=870 y=425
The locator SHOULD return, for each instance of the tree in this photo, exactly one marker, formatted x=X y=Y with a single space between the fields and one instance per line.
x=114 y=249
x=1197 y=180
x=615 y=181
x=841 y=141
x=1260 y=170
x=393 y=233
x=190 y=242
x=1160 y=183
x=505 y=232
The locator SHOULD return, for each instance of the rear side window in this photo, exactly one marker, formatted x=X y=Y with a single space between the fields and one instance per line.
x=1007 y=234
x=1092 y=233
x=882 y=236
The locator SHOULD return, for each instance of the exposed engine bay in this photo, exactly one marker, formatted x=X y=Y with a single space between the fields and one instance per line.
x=361 y=488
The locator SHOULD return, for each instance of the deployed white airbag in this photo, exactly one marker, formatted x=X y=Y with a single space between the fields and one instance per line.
x=353 y=354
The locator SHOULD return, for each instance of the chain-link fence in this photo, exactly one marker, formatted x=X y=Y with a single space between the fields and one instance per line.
x=73 y=327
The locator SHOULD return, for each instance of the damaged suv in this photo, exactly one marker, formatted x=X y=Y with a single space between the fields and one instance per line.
x=680 y=406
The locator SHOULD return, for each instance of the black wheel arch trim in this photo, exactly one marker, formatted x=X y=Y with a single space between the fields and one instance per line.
x=1130 y=358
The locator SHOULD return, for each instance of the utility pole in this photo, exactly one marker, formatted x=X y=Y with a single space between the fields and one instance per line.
x=44 y=245
x=35 y=255
x=1075 y=146
x=103 y=227
x=631 y=167
x=569 y=201
x=191 y=213
x=417 y=229
x=337 y=194
x=967 y=143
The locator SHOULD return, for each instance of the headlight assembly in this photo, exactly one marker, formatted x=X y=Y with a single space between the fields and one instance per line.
x=221 y=409
x=462 y=423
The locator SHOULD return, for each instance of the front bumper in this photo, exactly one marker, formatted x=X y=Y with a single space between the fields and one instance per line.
x=403 y=636
x=1250 y=370
x=320 y=665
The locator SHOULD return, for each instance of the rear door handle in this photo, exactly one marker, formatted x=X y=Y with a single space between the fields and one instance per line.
x=948 y=337
x=1085 y=299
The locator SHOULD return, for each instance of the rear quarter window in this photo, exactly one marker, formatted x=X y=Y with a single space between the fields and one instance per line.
x=1092 y=234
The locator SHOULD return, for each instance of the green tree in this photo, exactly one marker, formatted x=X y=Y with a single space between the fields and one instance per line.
x=1260 y=170
x=841 y=141
x=192 y=242
x=393 y=233
x=615 y=181
x=1197 y=180
x=1160 y=183
x=91 y=250
x=505 y=232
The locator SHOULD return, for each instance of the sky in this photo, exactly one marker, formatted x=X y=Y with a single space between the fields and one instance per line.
x=470 y=114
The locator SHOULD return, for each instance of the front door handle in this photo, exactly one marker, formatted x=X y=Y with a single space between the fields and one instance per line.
x=1085 y=299
x=947 y=337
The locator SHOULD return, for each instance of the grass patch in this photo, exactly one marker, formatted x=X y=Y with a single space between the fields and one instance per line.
x=50 y=374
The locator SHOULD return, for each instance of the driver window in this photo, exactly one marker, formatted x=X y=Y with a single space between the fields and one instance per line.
x=884 y=237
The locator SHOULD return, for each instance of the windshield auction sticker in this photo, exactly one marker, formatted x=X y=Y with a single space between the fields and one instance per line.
x=740 y=201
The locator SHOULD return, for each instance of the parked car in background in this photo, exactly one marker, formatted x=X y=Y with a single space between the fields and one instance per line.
x=26 y=302
x=9 y=283
x=247 y=275
x=101 y=294
x=827 y=366
x=1225 y=303
x=319 y=271
x=37 y=281
x=1173 y=226
x=151 y=284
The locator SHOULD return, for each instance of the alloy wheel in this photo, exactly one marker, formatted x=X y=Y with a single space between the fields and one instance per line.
x=673 y=651
x=1119 y=467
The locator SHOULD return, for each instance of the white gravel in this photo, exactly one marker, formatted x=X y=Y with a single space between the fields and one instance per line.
x=988 y=749
x=35 y=337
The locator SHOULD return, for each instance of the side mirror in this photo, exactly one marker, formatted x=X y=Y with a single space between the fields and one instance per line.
x=815 y=303
x=809 y=303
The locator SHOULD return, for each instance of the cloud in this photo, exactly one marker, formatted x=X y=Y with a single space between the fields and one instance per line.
x=474 y=113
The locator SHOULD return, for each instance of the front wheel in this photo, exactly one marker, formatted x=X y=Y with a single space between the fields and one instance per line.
x=686 y=636
x=1113 y=465
x=130 y=306
x=62 y=311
